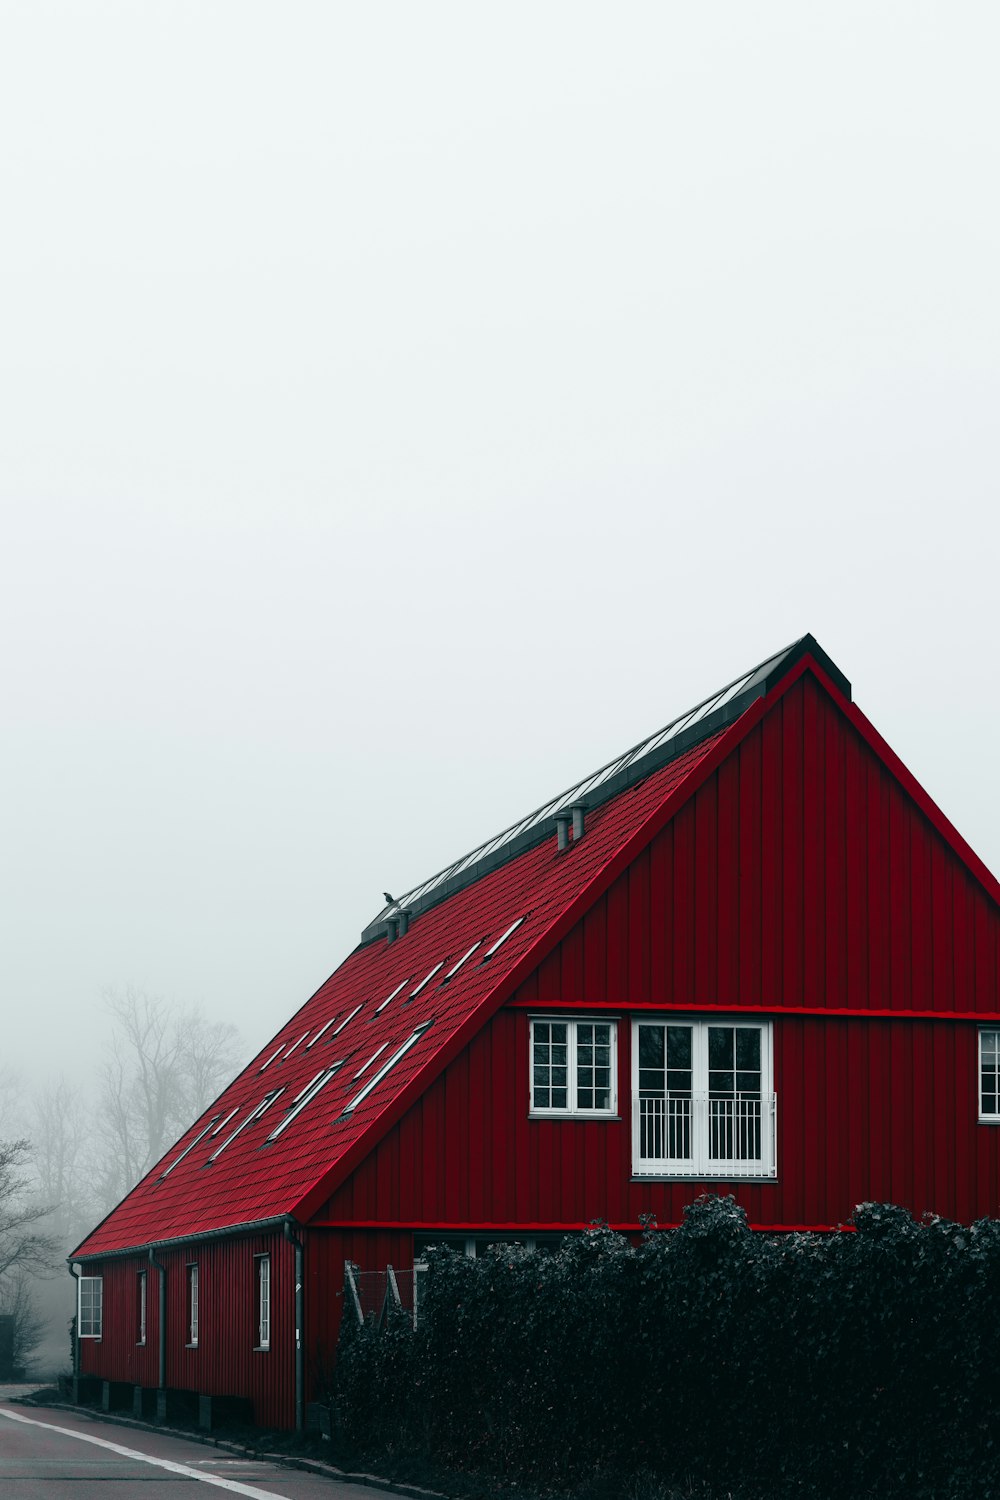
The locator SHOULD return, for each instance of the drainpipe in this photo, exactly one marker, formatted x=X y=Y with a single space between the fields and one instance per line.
x=299 y=1329
x=76 y=1321
x=162 y=1377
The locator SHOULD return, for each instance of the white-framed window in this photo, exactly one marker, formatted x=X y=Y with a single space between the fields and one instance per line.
x=90 y=1307
x=989 y=1075
x=702 y=1099
x=573 y=1067
x=192 y=1305
x=262 y=1268
x=140 y=1307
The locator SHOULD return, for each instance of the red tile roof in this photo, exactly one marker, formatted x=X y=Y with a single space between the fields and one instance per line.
x=252 y=1181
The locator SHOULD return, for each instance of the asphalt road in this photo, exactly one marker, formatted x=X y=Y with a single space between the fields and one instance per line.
x=62 y=1455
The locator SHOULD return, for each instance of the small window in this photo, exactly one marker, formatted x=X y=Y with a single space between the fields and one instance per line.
x=199 y=1137
x=304 y=1097
x=573 y=1068
x=349 y=1017
x=90 y=1307
x=276 y=1053
x=262 y=1265
x=255 y=1114
x=464 y=959
x=140 y=1309
x=989 y=1075
x=427 y=979
x=379 y=1008
x=294 y=1046
x=376 y=1078
x=192 y=1306
x=320 y=1033
x=366 y=1065
x=502 y=939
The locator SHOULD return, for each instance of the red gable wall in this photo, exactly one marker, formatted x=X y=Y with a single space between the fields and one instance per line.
x=800 y=878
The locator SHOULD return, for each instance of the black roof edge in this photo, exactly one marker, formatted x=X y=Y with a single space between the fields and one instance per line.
x=230 y=1231
x=759 y=682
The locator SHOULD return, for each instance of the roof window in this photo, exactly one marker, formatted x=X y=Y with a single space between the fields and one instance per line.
x=255 y=1114
x=365 y=1066
x=296 y=1044
x=455 y=967
x=379 y=1008
x=225 y=1121
x=178 y=1159
x=320 y=1032
x=349 y=1017
x=276 y=1053
x=502 y=939
x=427 y=979
x=376 y=1078
x=303 y=1098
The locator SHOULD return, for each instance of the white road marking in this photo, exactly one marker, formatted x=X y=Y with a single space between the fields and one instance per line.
x=232 y=1485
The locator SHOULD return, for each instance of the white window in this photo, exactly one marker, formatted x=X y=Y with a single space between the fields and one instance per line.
x=376 y=1078
x=989 y=1075
x=140 y=1293
x=263 y=1266
x=90 y=1307
x=573 y=1067
x=702 y=1104
x=192 y=1306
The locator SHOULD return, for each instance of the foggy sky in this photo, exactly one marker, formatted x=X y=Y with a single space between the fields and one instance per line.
x=405 y=408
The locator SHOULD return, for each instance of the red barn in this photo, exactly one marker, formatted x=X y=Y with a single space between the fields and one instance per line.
x=750 y=955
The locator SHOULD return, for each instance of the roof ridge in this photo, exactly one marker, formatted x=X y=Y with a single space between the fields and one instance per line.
x=712 y=714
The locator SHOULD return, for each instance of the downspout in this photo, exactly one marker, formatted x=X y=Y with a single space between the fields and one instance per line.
x=162 y=1331
x=76 y=1321
x=299 y=1329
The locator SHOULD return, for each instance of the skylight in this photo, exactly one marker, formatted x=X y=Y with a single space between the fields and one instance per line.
x=224 y=1122
x=276 y=1053
x=427 y=979
x=365 y=1066
x=347 y=1018
x=502 y=939
x=177 y=1160
x=255 y=1114
x=305 y=1097
x=455 y=967
x=320 y=1032
x=385 y=1002
x=376 y=1078
x=295 y=1045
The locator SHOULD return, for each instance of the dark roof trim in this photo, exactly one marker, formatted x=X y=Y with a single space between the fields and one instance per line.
x=649 y=755
x=231 y=1231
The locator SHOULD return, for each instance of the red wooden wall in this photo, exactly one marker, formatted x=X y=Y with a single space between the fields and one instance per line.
x=225 y=1361
x=801 y=879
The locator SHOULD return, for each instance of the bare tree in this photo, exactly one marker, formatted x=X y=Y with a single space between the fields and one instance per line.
x=24 y=1246
x=17 y=1300
x=59 y=1125
x=163 y=1067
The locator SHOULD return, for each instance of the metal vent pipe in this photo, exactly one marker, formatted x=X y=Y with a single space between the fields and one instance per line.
x=578 y=810
x=404 y=921
x=562 y=831
x=392 y=929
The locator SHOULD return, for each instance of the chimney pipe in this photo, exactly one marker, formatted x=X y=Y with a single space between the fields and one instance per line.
x=404 y=921
x=578 y=810
x=562 y=832
x=392 y=928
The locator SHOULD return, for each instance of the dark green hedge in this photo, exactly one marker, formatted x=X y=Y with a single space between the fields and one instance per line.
x=843 y=1363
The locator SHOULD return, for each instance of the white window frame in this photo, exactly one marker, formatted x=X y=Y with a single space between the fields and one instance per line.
x=701 y=1164
x=262 y=1278
x=570 y=1109
x=986 y=1118
x=90 y=1307
x=191 y=1297
x=142 y=1308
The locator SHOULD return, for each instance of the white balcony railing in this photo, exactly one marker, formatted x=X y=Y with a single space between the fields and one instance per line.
x=696 y=1135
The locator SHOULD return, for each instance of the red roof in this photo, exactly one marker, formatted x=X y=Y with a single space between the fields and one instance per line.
x=252 y=1181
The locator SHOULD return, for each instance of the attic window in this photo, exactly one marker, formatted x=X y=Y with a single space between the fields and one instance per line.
x=376 y=1078
x=365 y=1066
x=465 y=956
x=320 y=1032
x=502 y=939
x=276 y=1053
x=347 y=1018
x=225 y=1121
x=296 y=1044
x=255 y=1114
x=302 y=1099
x=385 y=1002
x=427 y=979
x=177 y=1160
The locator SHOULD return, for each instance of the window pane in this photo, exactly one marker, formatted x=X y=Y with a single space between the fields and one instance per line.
x=559 y=1097
x=720 y=1084
x=679 y=1046
x=748 y=1048
x=651 y=1046
x=721 y=1042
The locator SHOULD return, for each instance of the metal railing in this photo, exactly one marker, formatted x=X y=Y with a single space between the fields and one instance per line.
x=732 y=1137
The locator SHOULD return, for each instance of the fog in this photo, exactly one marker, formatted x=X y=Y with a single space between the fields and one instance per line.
x=404 y=408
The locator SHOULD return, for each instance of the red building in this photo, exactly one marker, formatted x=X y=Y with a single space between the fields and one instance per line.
x=750 y=955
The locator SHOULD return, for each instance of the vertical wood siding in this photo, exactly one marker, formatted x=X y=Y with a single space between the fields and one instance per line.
x=225 y=1361
x=799 y=876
